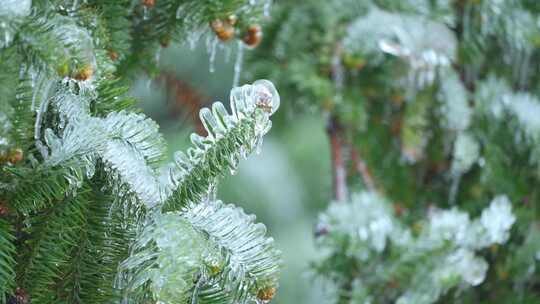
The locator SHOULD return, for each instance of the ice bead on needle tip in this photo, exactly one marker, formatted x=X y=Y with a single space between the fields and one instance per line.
x=265 y=96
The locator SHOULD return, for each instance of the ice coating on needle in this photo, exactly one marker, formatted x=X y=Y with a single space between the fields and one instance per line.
x=265 y=96
x=15 y=8
x=11 y=13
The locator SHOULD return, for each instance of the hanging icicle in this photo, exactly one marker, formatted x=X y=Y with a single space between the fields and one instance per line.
x=266 y=8
x=212 y=49
x=238 y=63
x=157 y=56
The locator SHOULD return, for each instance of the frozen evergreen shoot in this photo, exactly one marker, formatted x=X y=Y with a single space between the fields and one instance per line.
x=230 y=137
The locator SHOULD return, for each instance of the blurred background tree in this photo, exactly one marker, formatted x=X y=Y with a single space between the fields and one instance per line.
x=432 y=116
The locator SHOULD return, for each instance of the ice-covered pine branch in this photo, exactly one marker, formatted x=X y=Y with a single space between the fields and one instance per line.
x=417 y=41
x=424 y=44
x=440 y=253
x=495 y=99
x=230 y=137
x=428 y=49
x=92 y=174
x=130 y=145
x=209 y=252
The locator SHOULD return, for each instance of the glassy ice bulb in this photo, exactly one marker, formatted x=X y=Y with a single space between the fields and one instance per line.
x=265 y=96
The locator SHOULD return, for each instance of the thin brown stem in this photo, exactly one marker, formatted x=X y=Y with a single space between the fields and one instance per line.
x=339 y=176
x=361 y=167
x=184 y=99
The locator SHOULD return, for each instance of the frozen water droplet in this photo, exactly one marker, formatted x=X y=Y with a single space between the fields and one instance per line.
x=146 y=13
x=75 y=5
x=244 y=152
x=481 y=162
x=238 y=63
x=8 y=37
x=210 y=123
x=212 y=191
x=180 y=12
x=390 y=47
x=158 y=55
x=258 y=145
x=265 y=96
x=233 y=163
x=197 y=141
x=192 y=39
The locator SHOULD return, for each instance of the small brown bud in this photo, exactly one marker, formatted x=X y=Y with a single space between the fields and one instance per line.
x=20 y=297
x=253 y=35
x=113 y=55
x=399 y=210
x=266 y=294
x=148 y=3
x=223 y=31
x=165 y=41
x=4 y=210
x=85 y=73
x=15 y=156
